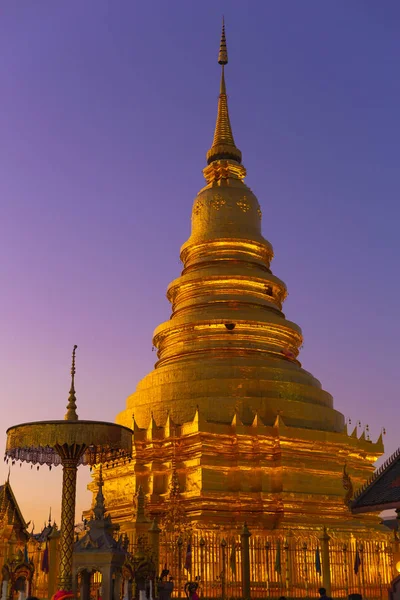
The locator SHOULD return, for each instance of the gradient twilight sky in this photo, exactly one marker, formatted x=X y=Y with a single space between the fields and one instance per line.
x=107 y=111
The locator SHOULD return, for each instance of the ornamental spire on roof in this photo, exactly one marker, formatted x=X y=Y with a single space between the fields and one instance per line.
x=71 y=407
x=223 y=146
x=99 y=508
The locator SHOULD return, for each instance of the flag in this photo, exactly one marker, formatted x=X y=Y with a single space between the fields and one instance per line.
x=188 y=559
x=26 y=557
x=232 y=560
x=357 y=562
x=278 y=565
x=45 y=560
x=317 y=562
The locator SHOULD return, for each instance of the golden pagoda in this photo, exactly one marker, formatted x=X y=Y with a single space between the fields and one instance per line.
x=228 y=409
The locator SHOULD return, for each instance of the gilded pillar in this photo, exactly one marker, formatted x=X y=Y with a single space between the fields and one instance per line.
x=326 y=568
x=70 y=469
x=245 y=539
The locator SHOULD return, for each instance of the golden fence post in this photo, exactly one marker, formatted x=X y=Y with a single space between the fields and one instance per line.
x=361 y=551
x=346 y=576
x=326 y=567
x=286 y=548
x=245 y=537
x=202 y=544
x=154 y=539
x=267 y=549
x=378 y=567
x=305 y=568
x=223 y=573
x=179 y=544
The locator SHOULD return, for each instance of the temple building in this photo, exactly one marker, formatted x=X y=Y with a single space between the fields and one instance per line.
x=27 y=560
x=251 y=434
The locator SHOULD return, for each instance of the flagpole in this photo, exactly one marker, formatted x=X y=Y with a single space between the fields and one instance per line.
x=278 y=564
x=287 y=566
x=378 y=560
x=202 y=544
x=346 y=576
x=223 y=574
x=326 y=570
x=361 y=551
x=305 y=568
x=267 y=549
x=179 y=567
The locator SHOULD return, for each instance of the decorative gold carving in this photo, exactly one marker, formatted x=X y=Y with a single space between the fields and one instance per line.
x=223 y=169
x=197 y=207
x=259 y=212
x=37 y=442
x=243 y=204
x=67 y=524
x=348 y=486
x=218 y=201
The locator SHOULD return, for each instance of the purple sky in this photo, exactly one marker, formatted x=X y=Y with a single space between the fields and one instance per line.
x=107 y=110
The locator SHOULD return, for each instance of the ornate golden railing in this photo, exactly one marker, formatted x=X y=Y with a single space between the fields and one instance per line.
x=279 y=565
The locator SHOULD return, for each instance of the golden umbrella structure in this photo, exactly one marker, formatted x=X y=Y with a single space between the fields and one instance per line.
x=69 y=443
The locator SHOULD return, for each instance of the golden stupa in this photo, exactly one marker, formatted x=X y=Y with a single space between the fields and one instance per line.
x=228 y=408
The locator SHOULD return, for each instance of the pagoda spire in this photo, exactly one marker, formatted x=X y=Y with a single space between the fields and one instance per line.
x=223 y=146
x=99 y=508
x=71 y=414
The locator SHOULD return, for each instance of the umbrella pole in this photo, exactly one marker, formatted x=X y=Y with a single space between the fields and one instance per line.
x=70 y=468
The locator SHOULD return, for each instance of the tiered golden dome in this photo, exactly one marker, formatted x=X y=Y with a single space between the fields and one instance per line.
x=228 y=347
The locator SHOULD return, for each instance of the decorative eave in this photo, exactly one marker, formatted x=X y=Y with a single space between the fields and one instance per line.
x=382 y=490
x=223 y=169
x=7 y=490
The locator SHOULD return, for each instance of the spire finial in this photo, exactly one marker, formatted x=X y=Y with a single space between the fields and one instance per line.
x=50 y=516
x=223 y=146
x=71 y=414
x=223 y=52
x=99 y=508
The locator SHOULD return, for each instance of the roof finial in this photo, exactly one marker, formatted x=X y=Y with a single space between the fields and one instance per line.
x=223 y=146
x=50 y=517
x=99 y=508
x=71 y=406
x=223 y=52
